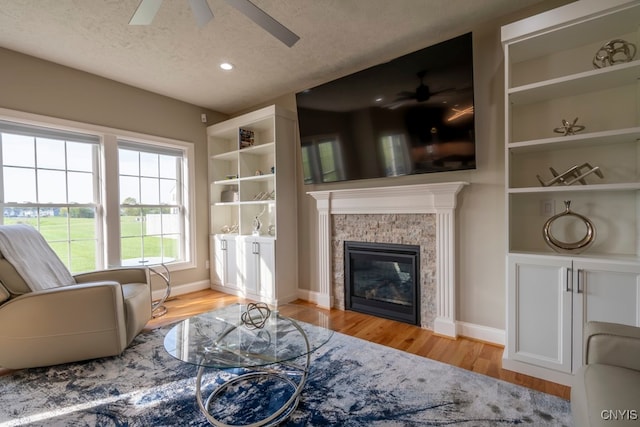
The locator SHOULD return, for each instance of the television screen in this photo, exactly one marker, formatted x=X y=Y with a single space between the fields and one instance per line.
x=411 y=115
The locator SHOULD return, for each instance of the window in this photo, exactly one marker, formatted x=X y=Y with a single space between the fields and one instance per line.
x=50 y=180
x=151 y=202
x=99 y=199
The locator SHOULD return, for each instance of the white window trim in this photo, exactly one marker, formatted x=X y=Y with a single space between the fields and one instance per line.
x=109 y=147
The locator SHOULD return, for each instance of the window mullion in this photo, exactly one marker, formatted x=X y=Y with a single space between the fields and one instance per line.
x=111 y=203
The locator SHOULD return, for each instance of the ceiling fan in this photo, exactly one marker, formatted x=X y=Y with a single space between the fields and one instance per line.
x=421 y=94
x=147 y=10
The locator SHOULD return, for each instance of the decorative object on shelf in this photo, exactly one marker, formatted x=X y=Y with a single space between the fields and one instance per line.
x=257 y=224
x=265 y=195
x=569 y=247
x=228 y=196
x=271 y=230
x=231 y=176
x=256 y=315
x=273 y=169
x=614 y=52
x=259 y=172
x=228 y=229
x=247 y=138
x=569 y=128
x=571 y=175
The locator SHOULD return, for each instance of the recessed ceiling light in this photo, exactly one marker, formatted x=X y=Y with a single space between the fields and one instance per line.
x=226 y=66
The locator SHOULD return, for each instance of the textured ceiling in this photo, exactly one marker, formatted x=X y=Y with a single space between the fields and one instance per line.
x=176 y=58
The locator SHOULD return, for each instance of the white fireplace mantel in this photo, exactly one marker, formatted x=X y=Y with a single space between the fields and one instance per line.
x=439 y=199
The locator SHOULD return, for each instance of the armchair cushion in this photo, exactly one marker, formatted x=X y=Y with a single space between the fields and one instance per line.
x=4 y=293
x=10 y=279
x=608 y=384
x=612 y=344
x=32 y=257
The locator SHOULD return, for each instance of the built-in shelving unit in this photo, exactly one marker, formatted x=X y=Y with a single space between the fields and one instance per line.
x=251 y=183
x=550 y=77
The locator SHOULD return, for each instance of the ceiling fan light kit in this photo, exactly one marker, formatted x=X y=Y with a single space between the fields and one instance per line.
x=147 y=10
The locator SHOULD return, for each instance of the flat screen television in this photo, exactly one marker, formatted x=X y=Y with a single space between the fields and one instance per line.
x=411 y=115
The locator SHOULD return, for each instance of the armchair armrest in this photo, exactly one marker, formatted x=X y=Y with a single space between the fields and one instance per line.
x=120 y=275
x=612 y=344
x=62 y=324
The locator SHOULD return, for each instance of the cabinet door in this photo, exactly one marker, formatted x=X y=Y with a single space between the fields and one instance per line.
x=248 y=270
x=539 y=311
x=266 y=263
x=605 y=292
x=225 y=269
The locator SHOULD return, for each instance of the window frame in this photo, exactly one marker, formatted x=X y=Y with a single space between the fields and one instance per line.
x=107 y=203
x=144 y=146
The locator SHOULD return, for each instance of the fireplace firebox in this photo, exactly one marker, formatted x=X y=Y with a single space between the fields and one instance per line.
x=383 y=279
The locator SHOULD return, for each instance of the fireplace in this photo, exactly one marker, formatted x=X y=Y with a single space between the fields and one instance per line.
x=434 y=205
x=383 y=279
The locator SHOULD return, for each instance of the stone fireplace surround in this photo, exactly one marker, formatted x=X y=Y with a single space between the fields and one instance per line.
x=421 y=214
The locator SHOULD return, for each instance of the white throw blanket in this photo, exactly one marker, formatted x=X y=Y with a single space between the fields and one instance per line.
x=25 y=248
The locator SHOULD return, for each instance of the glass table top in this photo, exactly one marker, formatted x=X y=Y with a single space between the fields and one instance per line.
x=221 y=339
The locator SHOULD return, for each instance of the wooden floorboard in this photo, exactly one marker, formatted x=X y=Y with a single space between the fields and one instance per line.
x=476 y=356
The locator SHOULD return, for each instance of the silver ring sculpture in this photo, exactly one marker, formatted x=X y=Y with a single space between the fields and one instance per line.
x=573 y=247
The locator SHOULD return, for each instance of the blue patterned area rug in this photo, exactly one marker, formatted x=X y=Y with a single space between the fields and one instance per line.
x=352 y=383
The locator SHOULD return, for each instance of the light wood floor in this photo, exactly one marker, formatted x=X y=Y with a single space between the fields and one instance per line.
x=465 y=353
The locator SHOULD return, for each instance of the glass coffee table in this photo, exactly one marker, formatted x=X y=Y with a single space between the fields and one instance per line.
x=266 y=348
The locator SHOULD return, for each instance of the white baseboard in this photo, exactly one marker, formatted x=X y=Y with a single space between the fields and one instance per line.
x=185 y=288
x=481 y=333
x=538 y=372
x=311 y=296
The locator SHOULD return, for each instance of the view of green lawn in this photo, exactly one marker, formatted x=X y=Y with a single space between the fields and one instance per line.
x=74 y=240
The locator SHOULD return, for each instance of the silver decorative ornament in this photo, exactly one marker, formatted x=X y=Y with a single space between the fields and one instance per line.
x=569 y=247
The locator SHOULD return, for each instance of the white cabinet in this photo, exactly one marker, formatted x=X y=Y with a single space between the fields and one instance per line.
x=539 y=312
x=551 y=298
x=252 y=180
x=224 y=269
x=550 y=77
x=257 y=260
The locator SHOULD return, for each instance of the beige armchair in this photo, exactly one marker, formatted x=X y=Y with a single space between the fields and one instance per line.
x=606 y=389
x=97 y=316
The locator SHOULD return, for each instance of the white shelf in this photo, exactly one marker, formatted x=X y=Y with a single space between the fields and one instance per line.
x=258 y=202
x=569 y=27
x=618 y=258
x=616 y=136
x=258 y=149
x=258 y=178
x=588 y=81
x=230 y=156
x=626 y=186
x=236 y=181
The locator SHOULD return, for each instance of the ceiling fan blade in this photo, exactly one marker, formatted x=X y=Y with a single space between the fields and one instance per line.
x=201 y=11
x=145 y=12
x=264 y=20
